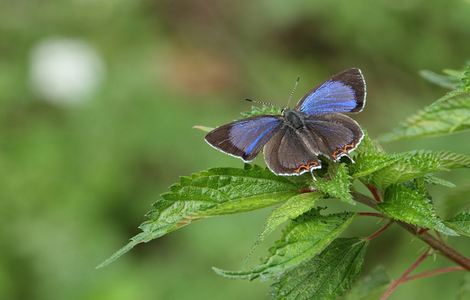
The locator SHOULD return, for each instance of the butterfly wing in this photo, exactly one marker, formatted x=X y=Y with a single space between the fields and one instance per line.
x=287 y=154
x=343 y=93
x=244 y=138
x=340 y=134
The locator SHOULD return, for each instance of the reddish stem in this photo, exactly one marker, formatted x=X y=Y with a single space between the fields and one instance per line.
x=370 y=214
x=404 y=276
x=434 y=273
x=422 y=230
x=375 y=192
x=379 y=232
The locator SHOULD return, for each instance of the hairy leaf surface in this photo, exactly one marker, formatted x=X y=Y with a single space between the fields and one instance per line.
x=447 y=115
x=410 y=206
x=301 y=240
x=431 y=179
x=291 y=209
x=337 y=185
x=263 y=110
x=327 y=275
x=460 y=223
x=410 y=165
x=369 y=158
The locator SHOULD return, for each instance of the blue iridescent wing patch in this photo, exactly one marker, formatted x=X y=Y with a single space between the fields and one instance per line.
x=244 y=138
x=343 y=93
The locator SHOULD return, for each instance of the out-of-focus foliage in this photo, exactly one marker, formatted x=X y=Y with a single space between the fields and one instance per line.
x=75 y=180
x=370 y=286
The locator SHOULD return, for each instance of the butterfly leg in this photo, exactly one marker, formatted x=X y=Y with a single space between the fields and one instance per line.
x=313 y=176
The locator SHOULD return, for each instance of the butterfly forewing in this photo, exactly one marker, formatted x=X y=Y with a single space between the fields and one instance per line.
x=343 y=93
x=244 y=138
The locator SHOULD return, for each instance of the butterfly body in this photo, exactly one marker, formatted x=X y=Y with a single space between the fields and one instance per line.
x=293 y=141
x=293 y=118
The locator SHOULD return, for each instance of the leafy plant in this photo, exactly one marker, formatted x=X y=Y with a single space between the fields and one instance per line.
x=311 y=259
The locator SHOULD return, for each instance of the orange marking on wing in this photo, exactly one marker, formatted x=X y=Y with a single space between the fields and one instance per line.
x=345 y=149
x=307 y=166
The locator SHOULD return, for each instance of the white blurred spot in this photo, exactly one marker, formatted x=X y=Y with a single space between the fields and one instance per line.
x=65 y=70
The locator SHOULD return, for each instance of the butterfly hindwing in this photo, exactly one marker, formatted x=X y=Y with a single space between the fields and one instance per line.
x=286 y=154
x=343 y=93
x=244 y=138
x=340 y=133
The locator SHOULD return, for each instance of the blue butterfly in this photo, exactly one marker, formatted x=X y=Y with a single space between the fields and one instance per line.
x=293 y=141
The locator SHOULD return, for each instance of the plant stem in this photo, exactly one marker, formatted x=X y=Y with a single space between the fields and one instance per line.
x=375 y=192
x=404 y=276
x=434 y=272
x=434 y=243
x=370 y=214
x=443 y=248
x=380 y=231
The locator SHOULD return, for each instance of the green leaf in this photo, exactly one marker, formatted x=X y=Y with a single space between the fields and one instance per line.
x=339 y=184
x=465 y=81
x=431 y=179
x=453 y=79
x=305 y=237
x=369 y=159
x=410 y=165
x=327 y=275
x=370 y=285
x=410 y=206
x=263 y=110
x=460 y=223
x=445 y=81
x=291 y=209
x=447 y=115
x=208 y=193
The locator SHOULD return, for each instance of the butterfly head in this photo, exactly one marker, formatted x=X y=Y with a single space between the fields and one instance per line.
x=293 y=117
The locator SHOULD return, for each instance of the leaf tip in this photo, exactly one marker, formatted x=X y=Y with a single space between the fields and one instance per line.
x=118 y=254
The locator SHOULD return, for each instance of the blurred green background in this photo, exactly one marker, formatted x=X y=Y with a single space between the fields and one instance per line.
x=80 y=164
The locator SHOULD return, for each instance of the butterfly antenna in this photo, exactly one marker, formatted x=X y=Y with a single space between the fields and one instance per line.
x=293 y=90
x=259 y=102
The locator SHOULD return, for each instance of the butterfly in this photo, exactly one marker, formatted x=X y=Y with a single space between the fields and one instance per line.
x=293 y=141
